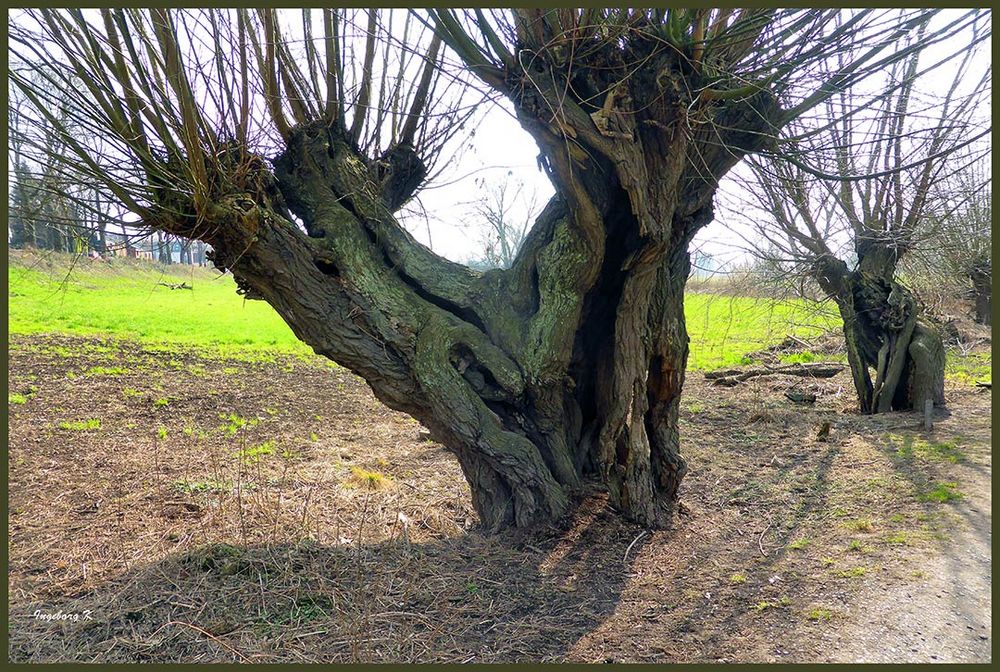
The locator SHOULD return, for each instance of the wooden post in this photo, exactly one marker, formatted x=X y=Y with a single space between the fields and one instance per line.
x=928 y=408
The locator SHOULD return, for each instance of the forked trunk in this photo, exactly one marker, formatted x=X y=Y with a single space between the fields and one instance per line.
x=569 y=365
x=884 y=335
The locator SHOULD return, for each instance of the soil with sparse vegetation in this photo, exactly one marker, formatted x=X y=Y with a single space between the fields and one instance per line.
x=171 y=504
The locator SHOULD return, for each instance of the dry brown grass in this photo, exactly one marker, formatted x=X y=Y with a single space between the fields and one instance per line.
x=284 y=515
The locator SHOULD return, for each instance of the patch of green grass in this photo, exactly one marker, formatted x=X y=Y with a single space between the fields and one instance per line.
x=161 y=433
x=695 y=408
x=373 y=480
x=736 y=579
x=131 y=392
x=819 y=614
x=123 y=298
x=105 y=371
x=799 y=358
x=858 y=547
x=941 y=492
x=852 y=573
x=81 y=425
x=860 y=525
x=827 y=561
x=909 y=447
x=161 y=402
x=767 y=604
x=15 y=398
x=898 y=538
x=799 y=544
x=969 y=368
x=723 y=329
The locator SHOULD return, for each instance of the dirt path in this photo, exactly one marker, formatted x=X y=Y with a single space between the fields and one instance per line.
x=944 y=615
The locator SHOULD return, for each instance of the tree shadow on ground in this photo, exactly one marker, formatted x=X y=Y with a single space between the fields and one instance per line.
x=509 y=597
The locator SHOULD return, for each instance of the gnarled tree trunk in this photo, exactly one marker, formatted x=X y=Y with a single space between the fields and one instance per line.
x=982 y=292
x=565 y=367
x=883 y=333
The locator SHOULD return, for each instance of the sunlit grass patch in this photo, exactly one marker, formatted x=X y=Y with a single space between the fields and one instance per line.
x=371 y=480
x=940 y=493
x=89 y=425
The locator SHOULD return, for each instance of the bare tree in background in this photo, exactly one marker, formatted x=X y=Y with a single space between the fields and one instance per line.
x=956 y=252
x=289 y=154
x=506 y=213
x=846 y=203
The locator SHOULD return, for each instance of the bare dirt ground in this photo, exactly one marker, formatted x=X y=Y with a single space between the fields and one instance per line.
x=275 y=511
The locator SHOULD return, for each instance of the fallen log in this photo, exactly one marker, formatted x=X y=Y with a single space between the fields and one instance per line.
x=183 y=285
x=733 y=377
x=987 y=384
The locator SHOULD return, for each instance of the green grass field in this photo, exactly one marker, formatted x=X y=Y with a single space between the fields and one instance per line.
x=123 y=298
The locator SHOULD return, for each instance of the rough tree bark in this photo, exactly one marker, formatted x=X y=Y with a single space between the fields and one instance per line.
x=982 y=292
x=567 y=366
x=884 y=332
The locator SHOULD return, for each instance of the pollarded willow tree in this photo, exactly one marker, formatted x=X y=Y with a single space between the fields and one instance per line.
x=846 y=202
x=289 y=147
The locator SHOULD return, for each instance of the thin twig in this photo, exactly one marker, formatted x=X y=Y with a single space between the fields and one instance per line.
x=640 y=536
x=760 y=539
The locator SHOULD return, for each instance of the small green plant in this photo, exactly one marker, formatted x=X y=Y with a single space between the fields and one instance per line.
x=131 y=392
x=897 y=518
x=799 y=544
x=857 y=547
x=941 y=492
x=899 y=538
x=827 y=561
x=161 y=402
x=230 y=370
x=766 y=604
x=852 y=573
x=15 y=398
x=738 y=579
x=255 y=453
x=81 y=425
x=234 y=423
x=695 y=408
x=161 y=433
x=314 y=437
x=819 y=614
